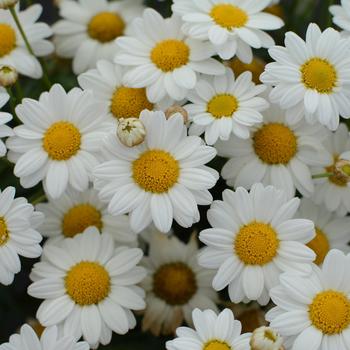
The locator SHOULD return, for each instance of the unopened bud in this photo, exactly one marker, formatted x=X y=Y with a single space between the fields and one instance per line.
x=171 y=111
x=8 y=76
x=265 y=338
x=342 y=170
x=131 y=131
x=5 y=4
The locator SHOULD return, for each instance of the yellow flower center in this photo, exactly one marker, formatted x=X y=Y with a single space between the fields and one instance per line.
x=330 y=312
x=175 y=283
x=87 y=283
x=156 y=171
x=256 y=68
x=80 y=217
x=170 y=54
x=4 y=233
x=62 y=140
x=129 y=102
x=320 y=75
x=216 y=345
x=7 y=39
x=320 y=245
x=223 y=105
x=106 y=26
x=340 y=181
x=229 y=16
x=256 y=243
x=275 y=144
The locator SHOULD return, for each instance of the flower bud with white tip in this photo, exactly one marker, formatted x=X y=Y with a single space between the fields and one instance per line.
x=342 y=170
x=131 y=131
x=8 y=75
x=265 y=338
x=5 y=4
x=175 y=109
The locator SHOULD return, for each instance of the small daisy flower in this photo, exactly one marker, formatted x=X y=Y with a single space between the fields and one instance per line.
x=313 y=312
x=233 y=27
x=277 y=153
x=175 y=284
x=332 y=191
x=5 y=131
x=89 y=287
x=13 y=51
x=212 y=332
x=106 y=82
x=341 y=15
x=310 y=78
x=58 y=140
x=256 y=67
x=75 y=211
x=332 y=232
x=88 y=29
x=18 y=235
x=252 y=243
x=27 y=339
x=222 y=105
x=162 y=179
x=162 y=59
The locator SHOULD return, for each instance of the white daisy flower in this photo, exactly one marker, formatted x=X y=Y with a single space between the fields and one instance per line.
x=332 y=232
x=313 y=312
x=5 y=131
x=162 y=179
x=18 y=235
x=58 y=140
x=13 y=51
x=253 y=240
x=27 y=339
x=310 y=78
x=277 y=153
x=222 y=106
x=89 y=287
x=332 y=191
x=175 y=284
x=121 y=101
x=163 y=59
x=232 y=26
x=212 y=332
x=341 y=15
x=75 y=211
x=89 y=28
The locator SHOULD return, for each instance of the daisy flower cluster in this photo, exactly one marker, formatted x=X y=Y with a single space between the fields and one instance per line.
x=175 y=174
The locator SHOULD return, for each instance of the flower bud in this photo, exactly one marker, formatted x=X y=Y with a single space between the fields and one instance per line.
x=176 y=110
x=5 y=4
x=342 y=170
x=8 y=76
x=265 y=338
x=131 y=131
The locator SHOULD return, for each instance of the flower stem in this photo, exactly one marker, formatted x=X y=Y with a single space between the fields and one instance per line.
x=320 y=176
x=13 y=104
x=46 y=79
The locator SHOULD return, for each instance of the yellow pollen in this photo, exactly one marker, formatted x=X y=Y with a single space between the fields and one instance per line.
x=256 y=243
x=87 y=283
x=170 y=54
x=229 y=16
x=216 y=345
x=330 y=312
x=223 y=105
x=129 y=102
x=106 y=26
x=320 y=75
x=156 y=171
x=320 y=245
x=7 y=39
x=175 y=283
x=256 y=68
x=62 y=140
x=275 y=144
x=4 y=233
x=340 y=181
x=80 y=217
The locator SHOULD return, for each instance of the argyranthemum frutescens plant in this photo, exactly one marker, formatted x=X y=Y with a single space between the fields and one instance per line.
x=152 y=156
